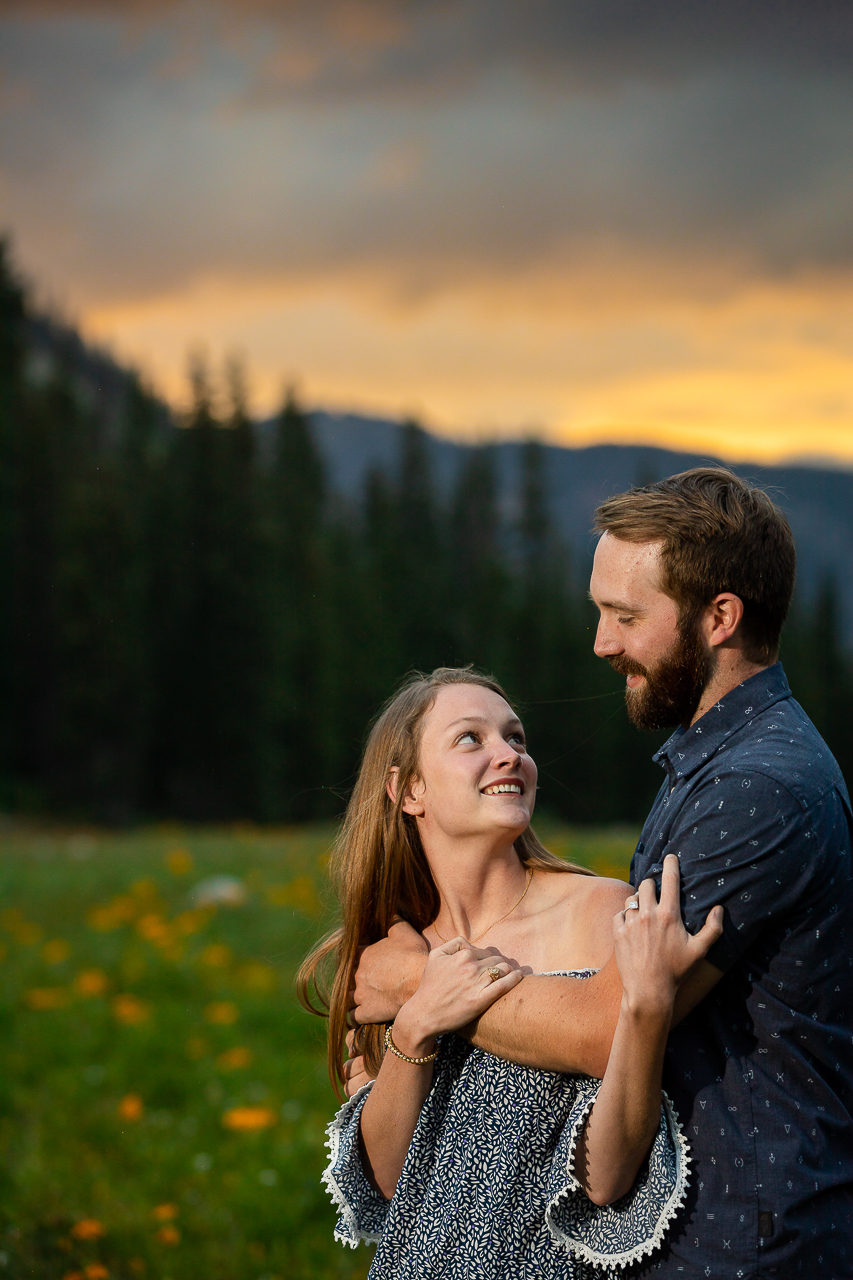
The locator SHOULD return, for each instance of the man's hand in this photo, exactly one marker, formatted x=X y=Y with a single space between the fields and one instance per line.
x=388 y=973
x=354 y=1073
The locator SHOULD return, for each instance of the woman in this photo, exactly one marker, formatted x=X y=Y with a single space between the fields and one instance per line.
x=455 y=1162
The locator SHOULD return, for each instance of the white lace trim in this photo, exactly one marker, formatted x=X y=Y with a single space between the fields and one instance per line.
x=354 y=1235
x=665 y=1217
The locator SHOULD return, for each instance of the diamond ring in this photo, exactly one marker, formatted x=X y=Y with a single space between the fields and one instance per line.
x=632 y=905
x=494 y=973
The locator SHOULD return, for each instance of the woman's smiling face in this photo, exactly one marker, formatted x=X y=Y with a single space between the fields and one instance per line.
x=476 y=777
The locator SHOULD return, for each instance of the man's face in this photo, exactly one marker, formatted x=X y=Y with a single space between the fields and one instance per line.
x=667 y=666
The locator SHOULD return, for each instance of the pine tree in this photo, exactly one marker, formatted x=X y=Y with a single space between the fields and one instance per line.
x=297 y=604
x=479 y=580
x=12 y=355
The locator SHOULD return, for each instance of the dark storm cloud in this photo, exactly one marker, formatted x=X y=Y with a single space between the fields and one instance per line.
x=431 y=137
x=373 y=46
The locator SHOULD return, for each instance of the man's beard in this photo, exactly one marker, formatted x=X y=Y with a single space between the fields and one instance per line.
x=673 y=689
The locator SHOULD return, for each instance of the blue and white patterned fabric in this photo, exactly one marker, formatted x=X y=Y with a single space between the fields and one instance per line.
x=488 y=1188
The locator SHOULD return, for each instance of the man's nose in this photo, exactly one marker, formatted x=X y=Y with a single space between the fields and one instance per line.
x=607 y=641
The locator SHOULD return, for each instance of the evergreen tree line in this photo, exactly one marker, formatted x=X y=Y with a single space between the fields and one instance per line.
x=195 y=626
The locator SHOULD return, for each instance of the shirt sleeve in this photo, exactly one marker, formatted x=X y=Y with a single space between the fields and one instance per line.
x=618 y=1234
x=362 y=1209
x=746 y=843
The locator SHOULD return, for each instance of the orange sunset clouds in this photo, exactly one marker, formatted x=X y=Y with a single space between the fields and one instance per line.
x=586 y=220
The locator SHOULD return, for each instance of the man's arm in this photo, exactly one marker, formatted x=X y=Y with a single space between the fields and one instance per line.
x=554 y=1023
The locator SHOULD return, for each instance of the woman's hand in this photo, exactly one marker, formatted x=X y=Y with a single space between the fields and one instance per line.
x=458 y=984
x=654 y=951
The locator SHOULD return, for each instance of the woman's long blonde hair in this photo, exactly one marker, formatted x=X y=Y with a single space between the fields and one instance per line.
x=378 y=867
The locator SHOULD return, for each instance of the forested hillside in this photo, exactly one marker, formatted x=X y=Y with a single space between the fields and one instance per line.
x=196 y=624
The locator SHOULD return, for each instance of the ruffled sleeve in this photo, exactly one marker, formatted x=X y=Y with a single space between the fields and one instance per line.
x=618 y=1234
x=362 y=1209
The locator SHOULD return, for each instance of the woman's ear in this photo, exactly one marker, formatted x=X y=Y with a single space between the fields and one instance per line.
x=412 y=802
x=391 y=784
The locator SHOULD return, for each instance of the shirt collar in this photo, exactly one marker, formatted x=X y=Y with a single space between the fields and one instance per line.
x=688 y=749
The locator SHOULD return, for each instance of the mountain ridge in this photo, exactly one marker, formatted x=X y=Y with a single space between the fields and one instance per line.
x=817 y=500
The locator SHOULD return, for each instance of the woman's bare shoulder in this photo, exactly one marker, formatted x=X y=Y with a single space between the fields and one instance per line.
x=578 y=921
x=603 y=889
x=564 y=885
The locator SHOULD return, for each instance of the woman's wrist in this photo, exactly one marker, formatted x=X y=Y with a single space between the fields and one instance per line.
x=648 y=1006
x=411 y=1037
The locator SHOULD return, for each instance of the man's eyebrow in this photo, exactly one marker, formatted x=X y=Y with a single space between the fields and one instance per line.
x=621 y=605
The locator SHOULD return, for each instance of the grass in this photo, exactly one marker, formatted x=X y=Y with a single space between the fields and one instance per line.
x=162 y=1096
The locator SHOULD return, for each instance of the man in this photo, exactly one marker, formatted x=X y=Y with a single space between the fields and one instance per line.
x=692 y=578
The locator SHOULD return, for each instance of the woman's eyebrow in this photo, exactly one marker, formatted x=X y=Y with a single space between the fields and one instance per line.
x=480 y=720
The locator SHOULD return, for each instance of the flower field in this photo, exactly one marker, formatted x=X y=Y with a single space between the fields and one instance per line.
x=162 y=1095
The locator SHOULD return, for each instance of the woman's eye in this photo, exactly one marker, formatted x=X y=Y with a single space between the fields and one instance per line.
x=468 y=736
x=517 y=737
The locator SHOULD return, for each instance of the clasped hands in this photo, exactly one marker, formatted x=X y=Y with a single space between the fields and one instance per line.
x=392 y=970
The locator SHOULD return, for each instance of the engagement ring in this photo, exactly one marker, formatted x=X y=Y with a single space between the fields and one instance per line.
x=632 y=905
x=494 y=973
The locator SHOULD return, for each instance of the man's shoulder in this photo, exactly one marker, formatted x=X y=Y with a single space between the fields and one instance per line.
x=782 y=746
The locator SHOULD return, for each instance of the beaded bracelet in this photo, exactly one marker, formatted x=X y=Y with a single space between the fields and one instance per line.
x=418 y=1062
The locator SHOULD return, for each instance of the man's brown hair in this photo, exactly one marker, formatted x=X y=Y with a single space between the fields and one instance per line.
x=719 y=533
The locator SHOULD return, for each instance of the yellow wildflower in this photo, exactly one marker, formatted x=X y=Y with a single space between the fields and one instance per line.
x=234 y=1058
x=153 y=928
x=223 y=1012
x=91 y=982
x=179 y=862
x=112 y=915
x=248 y=1118
x=165 y=1212
x=87 y=1229
x=299 y=894
x=190 y=921
x=169 y=1235
x=96 y=1271
x=46 y=997
x=130 y=1009
x=258 y=976
x=131 y=1107
x=56 y=951
x=216 y=955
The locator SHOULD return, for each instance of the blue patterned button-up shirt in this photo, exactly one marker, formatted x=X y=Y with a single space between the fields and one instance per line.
x=761 y=1072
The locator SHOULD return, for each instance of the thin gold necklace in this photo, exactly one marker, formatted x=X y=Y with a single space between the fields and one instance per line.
x=494 y=922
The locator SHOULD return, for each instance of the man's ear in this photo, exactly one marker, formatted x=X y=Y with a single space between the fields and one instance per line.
x=722 y=618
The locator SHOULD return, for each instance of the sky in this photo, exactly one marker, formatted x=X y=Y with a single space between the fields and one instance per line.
x=587 y=220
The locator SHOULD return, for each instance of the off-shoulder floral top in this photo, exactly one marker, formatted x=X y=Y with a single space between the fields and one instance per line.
x=488 y=1188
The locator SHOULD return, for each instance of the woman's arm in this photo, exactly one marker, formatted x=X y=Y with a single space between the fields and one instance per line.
x=654 y=952
x=455 y=988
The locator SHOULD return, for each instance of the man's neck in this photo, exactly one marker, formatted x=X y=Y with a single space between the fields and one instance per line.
x=731 y=670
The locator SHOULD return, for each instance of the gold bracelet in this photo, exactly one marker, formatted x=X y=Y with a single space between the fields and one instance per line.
x=417 y=1062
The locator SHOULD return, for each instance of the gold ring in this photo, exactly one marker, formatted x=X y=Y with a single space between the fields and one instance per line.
x=493 y=972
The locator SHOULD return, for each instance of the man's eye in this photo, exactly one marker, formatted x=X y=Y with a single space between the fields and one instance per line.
x=625 y=621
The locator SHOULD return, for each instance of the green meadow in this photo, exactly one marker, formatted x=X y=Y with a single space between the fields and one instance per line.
x=163 y=1098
